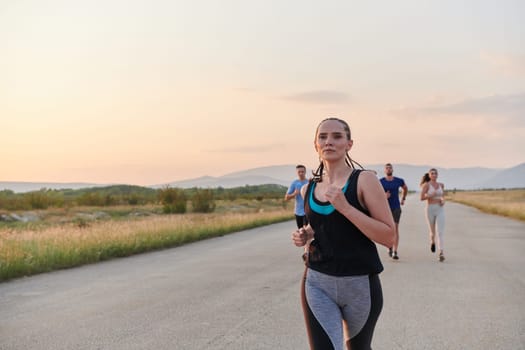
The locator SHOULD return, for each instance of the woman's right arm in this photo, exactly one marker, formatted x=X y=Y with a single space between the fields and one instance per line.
x=302 y=236
x=424 y=190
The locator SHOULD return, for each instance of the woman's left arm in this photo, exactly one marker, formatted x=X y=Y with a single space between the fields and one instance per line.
x=379 y=226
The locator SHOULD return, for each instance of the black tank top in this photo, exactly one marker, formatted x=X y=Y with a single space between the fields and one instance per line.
x=339 y=248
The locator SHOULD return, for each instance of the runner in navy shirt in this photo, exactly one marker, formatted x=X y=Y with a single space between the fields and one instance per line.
x=391 y=184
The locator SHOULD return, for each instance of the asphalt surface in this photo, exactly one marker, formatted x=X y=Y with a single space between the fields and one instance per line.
x=241 y=291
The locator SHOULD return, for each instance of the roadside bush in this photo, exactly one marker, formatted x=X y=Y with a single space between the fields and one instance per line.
x=173 y=200
x=203 y=201
x=133 y=199
x=10 y=201
x=90 y=199
x=37 y=200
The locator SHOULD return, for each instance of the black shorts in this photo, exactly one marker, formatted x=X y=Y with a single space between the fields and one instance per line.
x=396 y=213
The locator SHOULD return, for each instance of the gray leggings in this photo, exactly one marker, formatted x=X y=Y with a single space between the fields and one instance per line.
x=341 y=310
x=435 y=214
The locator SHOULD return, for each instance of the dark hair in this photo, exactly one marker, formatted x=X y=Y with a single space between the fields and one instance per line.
x=318 y=174
x=426 y=177
x=388 y=164
x=300 y=166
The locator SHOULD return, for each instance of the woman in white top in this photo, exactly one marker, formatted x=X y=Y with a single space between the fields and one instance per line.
x=433 y=192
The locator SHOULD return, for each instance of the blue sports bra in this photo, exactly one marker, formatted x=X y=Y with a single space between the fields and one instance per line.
x=324 y=208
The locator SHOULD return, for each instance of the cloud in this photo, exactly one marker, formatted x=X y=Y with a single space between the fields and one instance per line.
x=512 y=107
x=245 y=89
x=319 y=97
x=507 y=64
x=248 y=149
x=509 y=108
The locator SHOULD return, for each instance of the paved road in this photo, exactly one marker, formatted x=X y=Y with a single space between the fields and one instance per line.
x=241 y=291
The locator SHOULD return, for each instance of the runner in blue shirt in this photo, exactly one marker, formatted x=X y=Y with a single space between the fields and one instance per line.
x=391 y=184
x=294 y=191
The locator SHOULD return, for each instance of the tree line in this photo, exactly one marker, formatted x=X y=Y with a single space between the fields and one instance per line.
x=173 y=200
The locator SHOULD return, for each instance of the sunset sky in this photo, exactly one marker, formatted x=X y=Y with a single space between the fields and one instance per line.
x=146 y=91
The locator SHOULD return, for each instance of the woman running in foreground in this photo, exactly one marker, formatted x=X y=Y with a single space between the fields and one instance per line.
x=347 y=212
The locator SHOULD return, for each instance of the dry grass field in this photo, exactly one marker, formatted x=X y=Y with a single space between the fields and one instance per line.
x=509 y=203
x=68 y=238
x=63 y=238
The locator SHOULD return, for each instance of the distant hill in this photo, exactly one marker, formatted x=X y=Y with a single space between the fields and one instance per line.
x=277 y=174
x=19 y=187
x=226 y=181
x=512 y=178
x=459 y=178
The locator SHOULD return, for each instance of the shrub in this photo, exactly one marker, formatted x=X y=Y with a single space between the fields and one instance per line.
x=133 y=199
x=91 y=199
x=37 y=200
x=173 y=200
x=203 y=201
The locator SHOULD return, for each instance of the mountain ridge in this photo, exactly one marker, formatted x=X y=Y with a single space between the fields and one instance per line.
x=468 y=178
